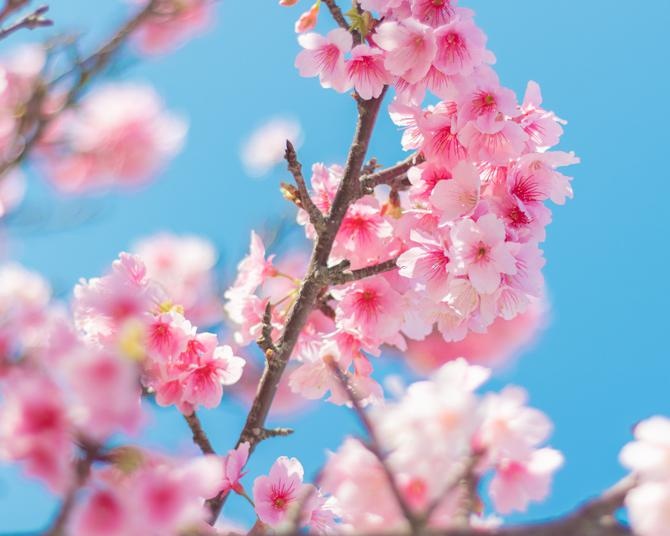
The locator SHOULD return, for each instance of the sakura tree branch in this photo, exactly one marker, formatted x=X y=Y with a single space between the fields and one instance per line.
x=199 y=435
x=389 y=175
x=375 y=445
x=336 y=13
x=35 y=122
x=265 y=340
x=313 y=284
x=339 y=275
x=31 y=21
x=306 y=202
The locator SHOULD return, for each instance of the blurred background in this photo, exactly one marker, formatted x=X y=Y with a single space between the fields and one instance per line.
x=601 y=363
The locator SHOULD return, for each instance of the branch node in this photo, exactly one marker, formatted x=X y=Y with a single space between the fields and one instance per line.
x=300 y=193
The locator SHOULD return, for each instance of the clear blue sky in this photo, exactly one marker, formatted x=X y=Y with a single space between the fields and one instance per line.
x=602 y=364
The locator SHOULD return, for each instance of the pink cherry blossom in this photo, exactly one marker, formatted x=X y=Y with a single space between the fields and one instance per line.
x=648 y=508
x=460 y=195
x=324 y=57
x=233 y=465
x=482 y=252
x=649 y=454
x=433 y=12
x=119 y=136
x=428 y=261
x=183 y=266
x=367 y=72
x=410 y=48
x=276 y=493
x=516 y=483
x=461 y=46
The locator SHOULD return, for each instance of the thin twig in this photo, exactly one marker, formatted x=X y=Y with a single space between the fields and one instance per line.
x=199 y=435
x=375 y=445
x=295 y=167
x=388 y=175
x=338 y=276
x=265 y=340
x=336 y=12
x=313 y=283
x=31 y=21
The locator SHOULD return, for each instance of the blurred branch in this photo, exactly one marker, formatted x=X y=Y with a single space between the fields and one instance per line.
x=199 y=435
x=35 y=121
x=33 y=20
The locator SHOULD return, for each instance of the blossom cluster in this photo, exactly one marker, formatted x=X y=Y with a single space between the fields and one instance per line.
x=60 y=370
x=438 y=434
x=466 y=231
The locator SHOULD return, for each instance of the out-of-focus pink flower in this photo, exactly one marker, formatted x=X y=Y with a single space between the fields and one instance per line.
x=119 y=136
x=183 y=267
x=516 y=483
x=172 y=23
x=35 y=428
x=649 y=454
x=265 y=147
x=649 y=508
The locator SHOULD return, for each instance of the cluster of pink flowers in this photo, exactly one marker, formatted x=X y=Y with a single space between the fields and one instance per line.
x=119 y=135
x=129 y=311
x=467 y=230
x=648 y=457
x=171 y=23
x=438 y=433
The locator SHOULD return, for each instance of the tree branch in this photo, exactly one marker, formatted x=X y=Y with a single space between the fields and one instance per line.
x=388 y=175
x=199 y=435
x=306 y=202
x=339 y=276
x=313 y=283
x=336 y=12
x=31 y=21
x=86 y=70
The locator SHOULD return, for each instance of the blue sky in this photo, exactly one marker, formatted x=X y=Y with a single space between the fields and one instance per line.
x=601 y=365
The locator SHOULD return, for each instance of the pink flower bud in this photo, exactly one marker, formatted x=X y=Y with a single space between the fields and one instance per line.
x=307 y=20
x=288 y=3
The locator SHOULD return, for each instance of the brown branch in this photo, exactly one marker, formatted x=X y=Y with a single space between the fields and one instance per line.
x=336 y=12
x=295 y=167
x=375 y=446
x=313 y=284
x=339 y=276
x=265 y=340
x=389 y=175
x=31 y=21
x=199 y=435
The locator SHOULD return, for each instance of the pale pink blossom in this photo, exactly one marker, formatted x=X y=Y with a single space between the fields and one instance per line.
x=120 y=135
x=233 y=466
x=433 y=12
x=324 y=57
x=498 y=148
x=649 y=454
x=461 y=47
x=460 y=195
x=410 y=48
x=428 y=261
x=183 y=266
x=482 y=252
x=274 y=495
x=367 y=72
x=516 y=483
x=648 y=508
x=264 y=148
